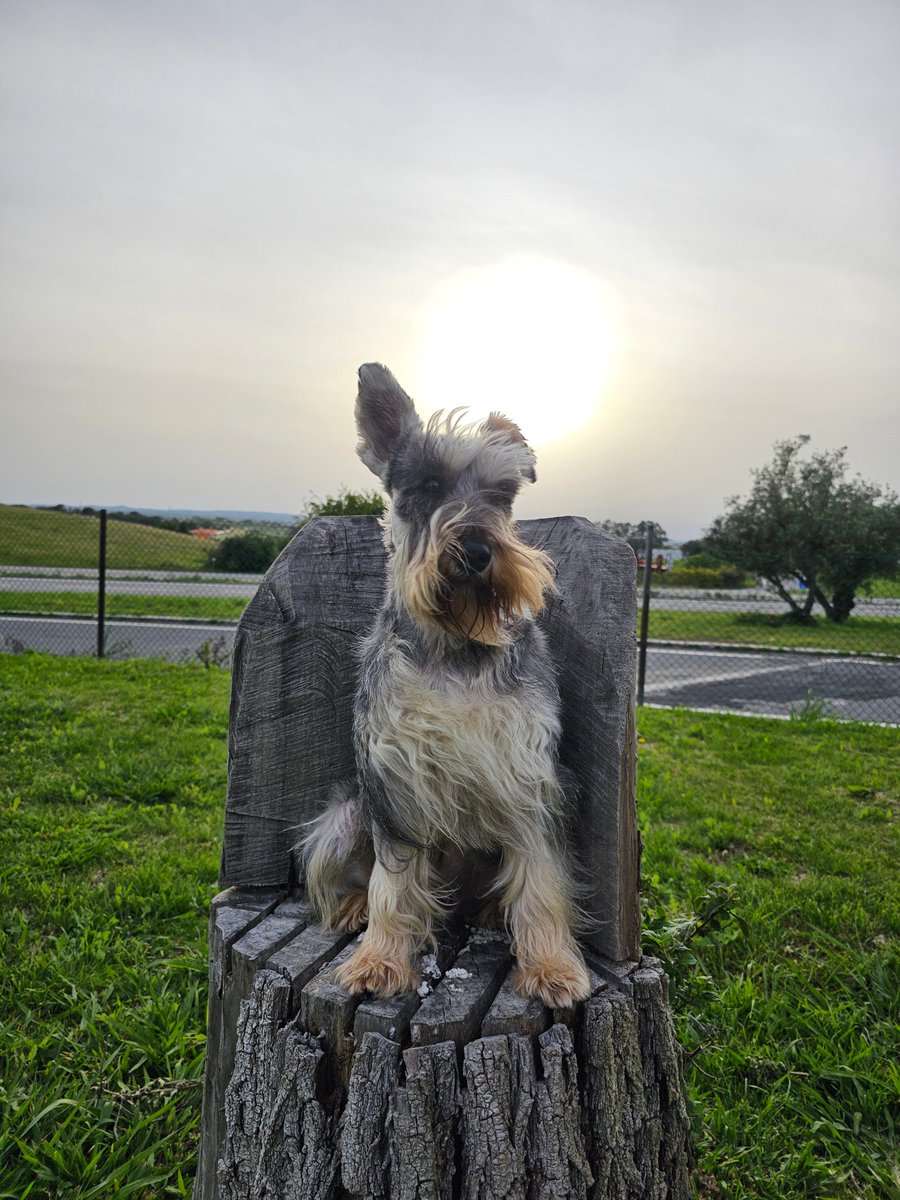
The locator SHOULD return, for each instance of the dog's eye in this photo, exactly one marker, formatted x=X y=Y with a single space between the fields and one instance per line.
x=431 y=485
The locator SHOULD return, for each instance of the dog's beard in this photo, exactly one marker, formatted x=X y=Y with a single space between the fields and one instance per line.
x=435 y=588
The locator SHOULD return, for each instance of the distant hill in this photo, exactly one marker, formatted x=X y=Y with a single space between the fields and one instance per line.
x=32 y=537
x=230 y=514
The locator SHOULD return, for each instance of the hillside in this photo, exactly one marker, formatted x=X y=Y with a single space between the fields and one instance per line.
x=31 y=537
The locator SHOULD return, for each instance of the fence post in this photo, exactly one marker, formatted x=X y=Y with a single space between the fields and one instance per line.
x=645 y=616
x=101 y=587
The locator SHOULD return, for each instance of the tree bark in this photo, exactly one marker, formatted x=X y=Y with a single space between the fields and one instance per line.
x=582 y=1105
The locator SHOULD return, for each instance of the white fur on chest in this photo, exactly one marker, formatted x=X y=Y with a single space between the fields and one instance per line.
x=461 y=763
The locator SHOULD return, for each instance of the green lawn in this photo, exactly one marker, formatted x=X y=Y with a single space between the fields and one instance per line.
x=112 y=782
x=861 y=635
x=211 y=608
x=36 y=537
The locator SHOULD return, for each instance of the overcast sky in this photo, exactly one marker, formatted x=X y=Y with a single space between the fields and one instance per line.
x=212 y=213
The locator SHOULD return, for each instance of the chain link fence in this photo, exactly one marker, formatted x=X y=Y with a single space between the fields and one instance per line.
x=95 y=585
x=88 y=585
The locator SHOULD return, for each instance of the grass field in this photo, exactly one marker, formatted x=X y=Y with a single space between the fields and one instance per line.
x=770 y=868
x=860 y=635
x=35 y=537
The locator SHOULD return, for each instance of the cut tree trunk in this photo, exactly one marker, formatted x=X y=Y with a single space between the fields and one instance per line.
x=467 y=1090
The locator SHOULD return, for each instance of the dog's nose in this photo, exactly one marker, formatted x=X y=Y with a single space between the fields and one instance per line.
x=477 y=555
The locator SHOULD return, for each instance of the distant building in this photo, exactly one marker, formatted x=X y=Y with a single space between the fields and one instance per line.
x=210 y=535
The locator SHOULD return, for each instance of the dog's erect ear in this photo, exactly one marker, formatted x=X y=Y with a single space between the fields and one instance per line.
x=384 y=416
x=509 y=431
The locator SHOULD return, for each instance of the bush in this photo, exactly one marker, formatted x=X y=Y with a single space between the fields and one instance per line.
x=349 y=504
x=251 y=552
x=707 y=571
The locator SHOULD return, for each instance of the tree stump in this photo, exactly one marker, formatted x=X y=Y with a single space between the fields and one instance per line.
x=463 y=1089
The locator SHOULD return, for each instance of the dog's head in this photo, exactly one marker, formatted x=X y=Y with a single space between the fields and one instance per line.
x=457 y=562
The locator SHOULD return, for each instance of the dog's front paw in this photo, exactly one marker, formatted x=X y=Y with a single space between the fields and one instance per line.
x=559 y=981
x=385 y=974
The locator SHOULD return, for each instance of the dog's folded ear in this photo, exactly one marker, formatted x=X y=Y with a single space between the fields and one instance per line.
x=384 y=416
x=508 y=431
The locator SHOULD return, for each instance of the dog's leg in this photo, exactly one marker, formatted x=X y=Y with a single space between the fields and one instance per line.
x=337 y=859
x=402 y=907
x=536 y=898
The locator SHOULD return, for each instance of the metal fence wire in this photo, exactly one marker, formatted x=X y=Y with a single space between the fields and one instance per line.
x=127 y=590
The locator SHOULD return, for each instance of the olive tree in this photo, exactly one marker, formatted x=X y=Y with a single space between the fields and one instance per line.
x=635 y=535
x=806 y=519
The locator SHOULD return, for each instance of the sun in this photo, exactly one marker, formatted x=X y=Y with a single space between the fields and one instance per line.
x=528 y=337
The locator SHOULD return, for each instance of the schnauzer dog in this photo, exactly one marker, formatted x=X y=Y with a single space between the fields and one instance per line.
x=456 y=720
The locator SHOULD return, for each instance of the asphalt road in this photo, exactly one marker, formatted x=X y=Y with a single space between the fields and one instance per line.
x=177 y=640
x=864 y=689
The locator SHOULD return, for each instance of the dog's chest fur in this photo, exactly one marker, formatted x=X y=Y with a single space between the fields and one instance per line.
x=461 y=760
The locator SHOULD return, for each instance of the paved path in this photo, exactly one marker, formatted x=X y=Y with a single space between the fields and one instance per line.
x=863 y=689
x=177 y=640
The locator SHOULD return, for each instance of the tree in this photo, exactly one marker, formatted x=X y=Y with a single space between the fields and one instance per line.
x=635 y=535
x=806 y=520
x=349 y=504
x=252 y=552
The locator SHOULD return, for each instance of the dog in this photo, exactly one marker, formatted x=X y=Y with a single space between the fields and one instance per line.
x=456 y=716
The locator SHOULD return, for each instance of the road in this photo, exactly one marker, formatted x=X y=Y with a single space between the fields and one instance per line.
x=864 y=689
x=178 y=640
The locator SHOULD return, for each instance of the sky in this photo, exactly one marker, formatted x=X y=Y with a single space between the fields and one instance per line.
x=659 y=235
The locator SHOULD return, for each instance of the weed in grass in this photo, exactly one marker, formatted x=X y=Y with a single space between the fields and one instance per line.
x=214 y=652
x=814 y=708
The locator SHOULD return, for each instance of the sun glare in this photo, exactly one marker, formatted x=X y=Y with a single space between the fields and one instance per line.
x=528 y=337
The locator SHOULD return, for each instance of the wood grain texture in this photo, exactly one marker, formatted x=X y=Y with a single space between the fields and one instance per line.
x=327 y=1009
x=391 y=1016
x=294 y=678
x=455 y=1009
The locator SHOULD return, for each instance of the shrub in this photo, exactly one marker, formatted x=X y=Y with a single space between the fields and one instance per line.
x=251 y=552
x=705 y=570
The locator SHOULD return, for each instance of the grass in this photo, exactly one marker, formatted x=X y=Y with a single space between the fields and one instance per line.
x=788 y=999
x=111 y=786
x=770 y=852
x=211 y=608
x=35 y=537
x=860 y=635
